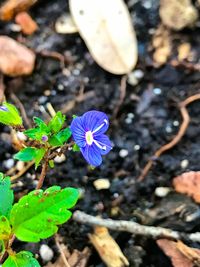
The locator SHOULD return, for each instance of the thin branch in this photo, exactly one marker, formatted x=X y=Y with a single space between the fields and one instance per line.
x=43 y=172
x=21 y=172
x=178 y=136
x=134 y=228
x=22 y=109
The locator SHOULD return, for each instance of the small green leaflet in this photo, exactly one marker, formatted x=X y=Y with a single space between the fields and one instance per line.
x=39 y=156
x=37 y=214
x=31 y=153
x=9 y=115
x=6 y=196
x=21 y=259
x=60 y=138
x=56 y=123
x=76 y=148
x=26 y=154
x=5 y=229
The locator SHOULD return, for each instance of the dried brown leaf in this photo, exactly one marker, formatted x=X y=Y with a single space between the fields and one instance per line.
x=170 y=249
x=188 y=183
x=107 y=30
x=108 y=249
x=178 y=14
x=28 y=25
x=15 y=58
x=11 y=7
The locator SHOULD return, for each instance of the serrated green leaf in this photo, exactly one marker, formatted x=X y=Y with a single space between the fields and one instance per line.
x=21 y=259
x=5 y=229
x=40 y=123
x=26 y=154
x=60 y=138
x=76 y=148
x=39 y=156
x=9 y=115
x=34 y=133
x=6 y=196
x=56 y=123
x=37 y=214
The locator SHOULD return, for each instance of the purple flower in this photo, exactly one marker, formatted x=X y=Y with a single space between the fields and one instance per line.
x=44 y=138
x=88 y=133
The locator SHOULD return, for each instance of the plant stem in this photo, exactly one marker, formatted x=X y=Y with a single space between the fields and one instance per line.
x=43 y=172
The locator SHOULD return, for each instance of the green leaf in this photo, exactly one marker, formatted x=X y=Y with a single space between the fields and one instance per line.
x=9 y=115
x=37 y=214
x=39 y=156
x=26 y=154
x=51 y=164
x=40 y=123
x=21 y=259
x=60 y=138
x=56 y=123
x=34 y=133
x=5 y=229
x=6 y=196
x=76 y=148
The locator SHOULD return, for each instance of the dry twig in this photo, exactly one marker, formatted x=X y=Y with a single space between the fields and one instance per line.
x=61 y=251
x=134 y=228
x=22 y=109
x=177 y=138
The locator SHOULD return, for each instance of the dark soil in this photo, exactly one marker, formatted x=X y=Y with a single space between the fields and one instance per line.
x=147 y=119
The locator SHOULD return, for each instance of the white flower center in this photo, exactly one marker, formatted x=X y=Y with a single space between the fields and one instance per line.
x=89 y=138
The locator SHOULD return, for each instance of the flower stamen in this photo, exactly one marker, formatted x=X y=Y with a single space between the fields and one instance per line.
x=98 y=128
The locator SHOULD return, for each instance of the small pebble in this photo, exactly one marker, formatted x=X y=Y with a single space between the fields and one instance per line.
x=100 y=184
x=42 y=99
x=19 y=165
x=60 y=87
x=184 y=163
x=168 y=129
x=8 y=164
x=123 y=153
x=162 y=191
x=139 y=74
x=176 y=123
x=46 y=253
x=15 y=27
x=130 y=115
x=137 y=147
x=47 y=92
x=76 y=72
x=128 y=120
x=60 y=159
x=157 y=91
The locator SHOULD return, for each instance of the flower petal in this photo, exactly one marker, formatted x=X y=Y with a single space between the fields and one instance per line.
x=104 y=141
x=92 y=155
x=95 y=121
x=78 y=131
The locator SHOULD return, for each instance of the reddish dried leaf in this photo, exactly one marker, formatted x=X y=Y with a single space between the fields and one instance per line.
x=188 y=183
x=15 y=58
x=170 y=249
x=11 y=7
x=28 y=25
